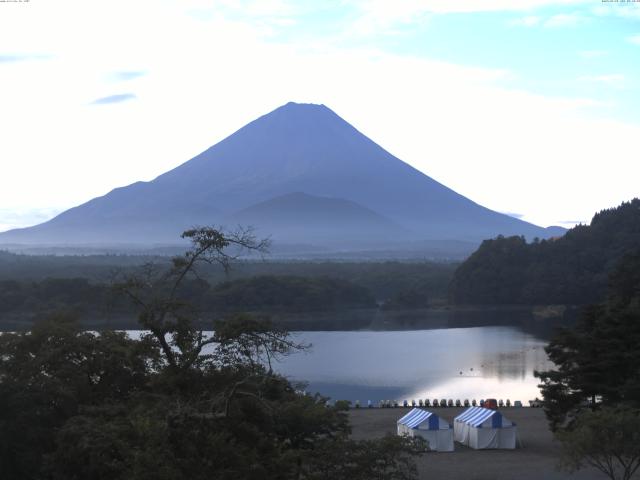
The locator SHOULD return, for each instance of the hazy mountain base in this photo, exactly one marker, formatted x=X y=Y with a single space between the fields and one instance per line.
x=282 y=249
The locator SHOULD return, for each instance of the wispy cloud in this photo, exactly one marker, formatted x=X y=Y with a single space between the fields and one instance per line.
x=554 y=21
x=118 y=98
x=25 y=217
x=589 y=54
x=635 y=39
x=611 y=79
x=515 y=215
x=629 y=10
x=266 y=15
x=465 y=6
x=564 y=20
x=528 y=21
x=123 y=76
x=11 y=58
x=377 y=15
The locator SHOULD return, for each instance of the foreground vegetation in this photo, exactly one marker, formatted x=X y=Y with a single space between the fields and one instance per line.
x=173 y=404
x=592 y=398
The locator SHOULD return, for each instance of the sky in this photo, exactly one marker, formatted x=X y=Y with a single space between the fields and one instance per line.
x=529 y=107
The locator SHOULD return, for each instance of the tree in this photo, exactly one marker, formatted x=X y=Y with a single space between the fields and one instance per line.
x=49 y=374
x=176 y=403
x=171 y=321
x=598 y=360
x=389 y=458
x=607 y=439
x=571 y=269
x=592 y=398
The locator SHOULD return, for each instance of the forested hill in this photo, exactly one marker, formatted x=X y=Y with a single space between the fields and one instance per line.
x=572 y=269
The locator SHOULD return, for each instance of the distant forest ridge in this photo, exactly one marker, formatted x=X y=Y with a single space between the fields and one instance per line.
x=34 y=287
x=572 y=269
x=383 y=279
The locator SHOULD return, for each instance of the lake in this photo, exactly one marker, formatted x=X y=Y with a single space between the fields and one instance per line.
x=458 y=363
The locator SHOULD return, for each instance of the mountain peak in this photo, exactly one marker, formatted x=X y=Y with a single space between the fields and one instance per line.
x=306 y=106
x=302 y=112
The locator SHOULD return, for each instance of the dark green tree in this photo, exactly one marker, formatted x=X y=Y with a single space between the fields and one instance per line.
x=571 y=270
x=390 y=458
x=49 y=374
x=598 y=361
x=607 y=440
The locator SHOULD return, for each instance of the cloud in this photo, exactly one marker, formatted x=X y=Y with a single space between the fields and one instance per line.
x=463 y=6
x=13 y=58
x=118 y=98
x=528 y=21
x=572 y=222
x=564 y=20
x=266 y=15
x=10 y=58
x=554 y=21
x=25 y=217
x=612 y=79
x=589 y=54
x=630 y=10
x=515 y=215
x=126 y=75
x=635 y=39
x=381 y=15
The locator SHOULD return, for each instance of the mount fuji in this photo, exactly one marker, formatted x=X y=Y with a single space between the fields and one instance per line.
x=300 y=174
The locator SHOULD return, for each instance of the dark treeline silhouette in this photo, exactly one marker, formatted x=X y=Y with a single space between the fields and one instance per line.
x=383 y=279
x=262 y=293
x=289 y=293
x=37 y=285
x=572 y=269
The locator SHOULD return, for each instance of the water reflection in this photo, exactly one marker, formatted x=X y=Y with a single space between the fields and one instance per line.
x=477 y=362
x=522 y=317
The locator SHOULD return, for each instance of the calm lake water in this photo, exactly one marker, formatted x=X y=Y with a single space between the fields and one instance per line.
x=458 y=363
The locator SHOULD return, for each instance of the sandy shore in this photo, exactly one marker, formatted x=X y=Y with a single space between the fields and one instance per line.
x=537 y=459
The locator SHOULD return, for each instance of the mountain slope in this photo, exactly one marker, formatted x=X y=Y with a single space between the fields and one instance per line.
x=299 y=217
x=296 y=148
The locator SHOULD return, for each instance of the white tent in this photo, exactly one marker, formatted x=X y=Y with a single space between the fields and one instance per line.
x=429 y=426
x=482 y=428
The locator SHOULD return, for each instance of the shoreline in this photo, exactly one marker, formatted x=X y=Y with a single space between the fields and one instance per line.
x=539 y=320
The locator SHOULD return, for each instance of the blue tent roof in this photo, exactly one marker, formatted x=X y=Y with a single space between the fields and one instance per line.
x=418 y=417
x=476 y=416
x=469 y=412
